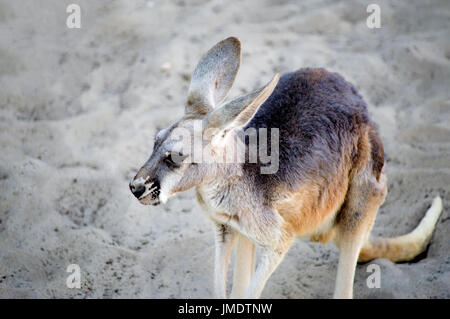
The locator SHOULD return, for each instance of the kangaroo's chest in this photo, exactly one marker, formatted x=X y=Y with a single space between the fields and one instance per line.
x=217 y=203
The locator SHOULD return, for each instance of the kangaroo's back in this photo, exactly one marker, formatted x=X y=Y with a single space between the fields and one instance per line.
x=319 y=116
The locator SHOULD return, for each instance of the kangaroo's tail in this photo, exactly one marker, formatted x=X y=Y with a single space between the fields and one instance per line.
x=406 y=247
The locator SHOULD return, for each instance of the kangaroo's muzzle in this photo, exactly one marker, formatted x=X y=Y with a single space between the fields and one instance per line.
x=146 y=190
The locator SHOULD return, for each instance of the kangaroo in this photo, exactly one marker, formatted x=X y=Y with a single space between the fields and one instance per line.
x=328 y=185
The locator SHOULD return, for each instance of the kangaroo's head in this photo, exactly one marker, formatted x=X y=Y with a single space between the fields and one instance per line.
x=187 y=153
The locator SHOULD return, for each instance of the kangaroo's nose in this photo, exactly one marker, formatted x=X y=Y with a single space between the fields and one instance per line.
x=137 y=190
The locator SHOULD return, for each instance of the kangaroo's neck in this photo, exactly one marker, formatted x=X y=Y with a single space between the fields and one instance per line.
x=225 y=193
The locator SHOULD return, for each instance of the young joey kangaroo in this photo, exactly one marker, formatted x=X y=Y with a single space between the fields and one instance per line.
x=329 y=183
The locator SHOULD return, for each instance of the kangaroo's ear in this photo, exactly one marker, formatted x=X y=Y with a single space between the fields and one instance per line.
x=214 y=76
x=238 y=112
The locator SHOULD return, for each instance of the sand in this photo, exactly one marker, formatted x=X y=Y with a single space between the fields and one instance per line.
x=79 y=109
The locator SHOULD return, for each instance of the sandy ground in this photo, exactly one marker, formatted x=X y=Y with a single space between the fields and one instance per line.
x=79 y=108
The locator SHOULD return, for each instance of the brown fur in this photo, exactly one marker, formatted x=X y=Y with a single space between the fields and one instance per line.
x=314 y=203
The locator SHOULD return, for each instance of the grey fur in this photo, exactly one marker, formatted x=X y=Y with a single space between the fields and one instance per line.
x=316 y=119
x=241 y=109
x=214 y=76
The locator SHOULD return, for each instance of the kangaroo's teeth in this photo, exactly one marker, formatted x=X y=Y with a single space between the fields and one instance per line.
x=147 y=191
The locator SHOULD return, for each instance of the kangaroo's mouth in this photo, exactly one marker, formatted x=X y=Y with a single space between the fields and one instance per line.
x=151 y=194
x=148 y=200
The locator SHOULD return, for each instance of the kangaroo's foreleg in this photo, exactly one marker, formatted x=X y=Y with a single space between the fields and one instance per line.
x=224 y=239
x=267 y=231
x=244 y=265
x=269 y=260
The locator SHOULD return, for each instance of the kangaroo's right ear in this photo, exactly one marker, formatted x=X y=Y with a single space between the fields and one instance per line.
x=214 y=76
x=239 y=111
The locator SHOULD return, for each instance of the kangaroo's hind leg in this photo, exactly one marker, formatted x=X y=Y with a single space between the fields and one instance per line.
x=354 y=223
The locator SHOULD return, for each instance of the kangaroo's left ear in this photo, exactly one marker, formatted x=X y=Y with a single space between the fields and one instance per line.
x=214 y=76
x=239 y=111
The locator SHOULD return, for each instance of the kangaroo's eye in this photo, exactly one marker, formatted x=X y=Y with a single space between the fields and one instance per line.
x=174 y=158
